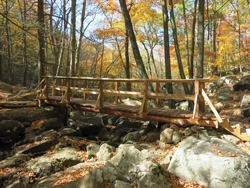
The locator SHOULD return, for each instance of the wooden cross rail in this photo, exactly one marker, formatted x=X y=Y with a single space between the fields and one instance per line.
x=102 y=92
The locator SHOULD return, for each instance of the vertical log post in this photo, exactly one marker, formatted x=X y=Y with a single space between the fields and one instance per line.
x=196 y=92
x=53 y=87
x=68 y=89
x=158 y=101
x=116 y=89
x=85 y=87
x=202 y=101
x=145 y=98
x=63 y=84
x=101 y=93
x=46 y=87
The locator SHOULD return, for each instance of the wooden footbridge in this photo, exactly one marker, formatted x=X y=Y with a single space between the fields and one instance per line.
x=104 y=95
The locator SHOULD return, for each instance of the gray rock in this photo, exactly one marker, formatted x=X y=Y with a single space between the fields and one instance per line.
x=14 y=161
x=126 y=155
x=93 y=179
x=41 y=146
x=11 y=130
x=150 y=180
x=231 y=138
x=109 y=119
x=121 y=184
x=88 y=129
x=224 y=94
x=92 y=149
x=164 y=126
x=166 y=161
x=52 y=123
x=20 y=115
x=214 y=163
x=112 y=173
x=68 y=132
x=230 y=79
x=245 y=101
x=177 y=137
x=243 y=84
x=103 y=135
x=133 y=136
x=175 y=127
x=47 y=113
x=188 y=131
x=213 y=87
x=152 y=137
x=48 y=164
x=189 y=139
x=166 y=135
x=106 y=152
x=15 y=183
x=245 y=111
x=161 y=144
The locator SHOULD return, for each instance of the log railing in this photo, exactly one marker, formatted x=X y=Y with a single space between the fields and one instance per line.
x=67 y=86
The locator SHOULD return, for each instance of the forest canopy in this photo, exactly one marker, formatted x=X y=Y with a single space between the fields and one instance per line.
x=93 y=38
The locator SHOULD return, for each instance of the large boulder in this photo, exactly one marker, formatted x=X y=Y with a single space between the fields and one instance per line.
x=224 y=94
x=52 y=123
x=230 y=79
x=213 y=163
x=18 y=114
x=105 y=152
x=6 y=87
x=47 y=113
x=88 y=129
x=11 y=130
x=243 y=84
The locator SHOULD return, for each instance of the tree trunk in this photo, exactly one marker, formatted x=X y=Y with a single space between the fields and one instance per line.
x=186 y=36
x=200 y=42
x=65 y=20
x=79 y=44
x=135 y=48
x=73 y=38
x=166 y=52
x=1 y=58
x=127 y=67
x=41 y=41
x=177 y=50
x=214 y=66
x=191 y=71
x=8 y=41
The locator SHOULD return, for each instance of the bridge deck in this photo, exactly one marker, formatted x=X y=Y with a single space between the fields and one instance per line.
x=182 y=117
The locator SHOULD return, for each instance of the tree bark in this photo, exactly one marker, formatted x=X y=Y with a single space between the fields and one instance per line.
x=177 y=50
x=65 y=20
x=127 y=67
x=200 y=42
x=79 y=43
x=41 y=41
x=166 y=51
x=191 y=71
x=73 y=38
x=186 y=36
x=135 y=48
x=214 y=66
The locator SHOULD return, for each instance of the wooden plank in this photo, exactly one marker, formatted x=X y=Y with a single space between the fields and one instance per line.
x=145 y=99
x=68 y=90
x=158 y=101
x=40 y=84
x=196 y=92
x=171 y=96
x=211 y=106
x=195 y=107
x=123 y=93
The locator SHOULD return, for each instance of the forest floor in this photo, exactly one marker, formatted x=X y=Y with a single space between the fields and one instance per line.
x=230 y=109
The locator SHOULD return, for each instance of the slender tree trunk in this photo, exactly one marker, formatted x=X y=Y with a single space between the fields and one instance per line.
x=102 y=57
x=1 y=57
x=65 y=20
x=248 y=2
x=41 y=41
x=79 y=43
x=200 y=42
x=127 y=67
x=148 y=59
x=177 y=49
x=73 y=38
x=186 y=35
x=167 y=52
x=135 y=48
x=8 y=41
x=214 y=66
x=191 y=71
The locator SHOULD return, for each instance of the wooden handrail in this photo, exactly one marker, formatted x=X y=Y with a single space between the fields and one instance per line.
x=145 y=95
